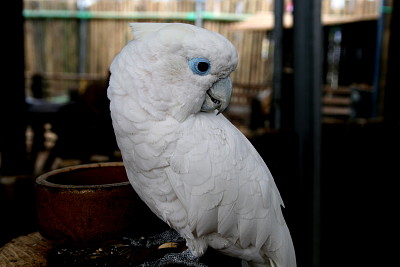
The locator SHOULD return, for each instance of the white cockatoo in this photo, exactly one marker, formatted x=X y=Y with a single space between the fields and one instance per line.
x=188 y=163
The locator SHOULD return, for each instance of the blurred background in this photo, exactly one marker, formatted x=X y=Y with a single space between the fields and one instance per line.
x=316 y=91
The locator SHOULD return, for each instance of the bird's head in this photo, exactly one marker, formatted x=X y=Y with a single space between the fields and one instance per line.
x=180 y=69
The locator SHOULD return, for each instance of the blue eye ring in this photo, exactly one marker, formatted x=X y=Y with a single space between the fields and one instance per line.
x=200 y=66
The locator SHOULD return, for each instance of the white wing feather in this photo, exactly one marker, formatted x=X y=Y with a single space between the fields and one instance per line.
x=225 y=186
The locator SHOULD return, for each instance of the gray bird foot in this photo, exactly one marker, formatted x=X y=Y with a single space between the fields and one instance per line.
x=185 y=258
x=168 y=236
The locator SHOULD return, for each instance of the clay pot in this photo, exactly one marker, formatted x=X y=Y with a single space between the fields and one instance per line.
x=91 y=203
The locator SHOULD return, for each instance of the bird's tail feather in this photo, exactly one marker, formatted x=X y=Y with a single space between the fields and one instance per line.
x=253 y=264
x=285 y=255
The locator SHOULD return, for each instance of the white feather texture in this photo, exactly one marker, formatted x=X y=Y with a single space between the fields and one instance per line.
x=194 y=170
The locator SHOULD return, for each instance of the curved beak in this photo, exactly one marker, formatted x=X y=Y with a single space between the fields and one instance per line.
x=218 y=96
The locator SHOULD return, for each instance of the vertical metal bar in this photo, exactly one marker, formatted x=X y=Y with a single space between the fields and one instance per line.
x=378 y=52
x=83 y=25
x=307 y=108
x=277 y=74
x=391 y=107
x=83 y=31
x=199 y=13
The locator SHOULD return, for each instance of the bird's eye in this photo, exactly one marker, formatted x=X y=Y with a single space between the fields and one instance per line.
x=200 y=66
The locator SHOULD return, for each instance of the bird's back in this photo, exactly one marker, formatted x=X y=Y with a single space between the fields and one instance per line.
x=227 y=188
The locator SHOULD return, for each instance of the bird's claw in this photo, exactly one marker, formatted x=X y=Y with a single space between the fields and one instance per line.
x=185 y=257
x=168 y=236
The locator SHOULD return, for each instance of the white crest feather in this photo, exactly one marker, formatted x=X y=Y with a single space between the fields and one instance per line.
x=140 y=30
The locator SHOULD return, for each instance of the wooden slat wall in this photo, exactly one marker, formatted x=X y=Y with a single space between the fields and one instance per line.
x=52 y=45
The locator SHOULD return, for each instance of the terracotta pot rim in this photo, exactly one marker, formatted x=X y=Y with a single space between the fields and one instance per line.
x=42 y=179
